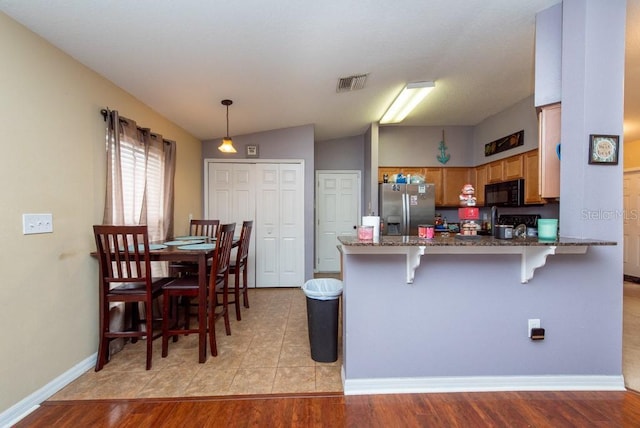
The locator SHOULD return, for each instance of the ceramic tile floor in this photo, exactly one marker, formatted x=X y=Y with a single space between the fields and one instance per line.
x=267 y=353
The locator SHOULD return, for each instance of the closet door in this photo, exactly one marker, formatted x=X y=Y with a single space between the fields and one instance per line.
x=280 y=225
x=231 y=198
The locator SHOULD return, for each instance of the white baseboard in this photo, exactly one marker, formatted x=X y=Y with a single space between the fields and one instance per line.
x=30 y=403
x=482 y=384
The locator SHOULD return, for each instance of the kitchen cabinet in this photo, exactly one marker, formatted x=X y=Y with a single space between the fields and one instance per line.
x=512 y=168
x=505 y=169
x=494 y=172
x=413 y=171
x=434 y=175
x=549 y=122
x=389 y=170
x=453 y=179
x=531 y=178
x=480 y=179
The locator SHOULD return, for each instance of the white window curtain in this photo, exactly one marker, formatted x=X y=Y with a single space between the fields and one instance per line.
x=140 y=173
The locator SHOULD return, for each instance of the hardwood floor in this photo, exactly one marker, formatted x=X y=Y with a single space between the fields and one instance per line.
x=482 y=409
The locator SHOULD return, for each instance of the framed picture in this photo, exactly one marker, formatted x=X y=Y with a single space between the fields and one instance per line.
x=603 y=149
x=252 y=151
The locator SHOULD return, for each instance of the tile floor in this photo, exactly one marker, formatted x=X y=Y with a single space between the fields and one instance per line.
x=267 y=353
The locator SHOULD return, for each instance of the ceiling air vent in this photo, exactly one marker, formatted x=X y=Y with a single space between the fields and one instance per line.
x=351 y=83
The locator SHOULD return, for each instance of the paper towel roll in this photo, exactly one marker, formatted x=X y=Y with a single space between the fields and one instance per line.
x=374 y=221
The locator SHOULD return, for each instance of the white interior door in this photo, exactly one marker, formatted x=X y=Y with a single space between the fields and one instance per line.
x=231 y=191
x=337 y=213
x=280 y=234
x=631 y=196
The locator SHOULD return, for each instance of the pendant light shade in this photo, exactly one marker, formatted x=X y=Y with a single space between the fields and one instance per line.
x=227 y=143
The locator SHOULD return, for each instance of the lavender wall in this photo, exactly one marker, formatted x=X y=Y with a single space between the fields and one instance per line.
x=279 y=144
x=342 y=153
x=520 y=116
x=418 y=145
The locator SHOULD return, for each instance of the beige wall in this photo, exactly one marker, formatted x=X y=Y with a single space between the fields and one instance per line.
x=52 y=138
x=631 y=154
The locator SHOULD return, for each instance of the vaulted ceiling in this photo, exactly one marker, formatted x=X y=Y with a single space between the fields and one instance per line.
x=280 y=61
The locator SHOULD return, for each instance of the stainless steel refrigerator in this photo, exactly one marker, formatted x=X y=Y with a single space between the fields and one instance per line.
x=404 y=206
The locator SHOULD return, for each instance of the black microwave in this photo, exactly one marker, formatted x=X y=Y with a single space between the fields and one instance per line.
x=504 y=194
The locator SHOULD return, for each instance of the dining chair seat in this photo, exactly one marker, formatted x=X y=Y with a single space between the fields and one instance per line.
x=188 y=287
x=125 y=277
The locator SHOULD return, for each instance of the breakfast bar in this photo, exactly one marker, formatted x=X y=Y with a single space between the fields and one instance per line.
x=451 y=314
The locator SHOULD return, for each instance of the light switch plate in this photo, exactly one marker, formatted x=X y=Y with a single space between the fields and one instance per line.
x=37 y=223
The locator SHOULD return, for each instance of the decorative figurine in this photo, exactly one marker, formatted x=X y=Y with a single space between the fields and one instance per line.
x=467 y=196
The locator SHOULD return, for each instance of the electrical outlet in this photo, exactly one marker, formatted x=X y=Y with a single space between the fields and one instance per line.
x=37 y=223
x=533 y=323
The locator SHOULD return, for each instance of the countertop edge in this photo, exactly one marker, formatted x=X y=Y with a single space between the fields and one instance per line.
x=480 y=241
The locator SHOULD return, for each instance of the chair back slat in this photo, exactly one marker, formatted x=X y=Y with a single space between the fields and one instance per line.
x=204 y=228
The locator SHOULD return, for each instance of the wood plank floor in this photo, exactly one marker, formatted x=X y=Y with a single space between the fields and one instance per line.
x=482 y=409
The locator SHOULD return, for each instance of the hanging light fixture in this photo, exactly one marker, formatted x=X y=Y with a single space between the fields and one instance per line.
x=227 y=143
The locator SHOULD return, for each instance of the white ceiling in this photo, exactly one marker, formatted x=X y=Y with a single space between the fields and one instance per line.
x=279 y=61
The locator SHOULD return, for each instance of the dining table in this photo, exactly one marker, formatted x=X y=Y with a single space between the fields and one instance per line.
x=194 y=250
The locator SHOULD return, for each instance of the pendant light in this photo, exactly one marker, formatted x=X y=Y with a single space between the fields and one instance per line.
x=227 y=144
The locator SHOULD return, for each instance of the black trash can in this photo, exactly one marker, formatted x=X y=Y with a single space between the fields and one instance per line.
x=323 y=303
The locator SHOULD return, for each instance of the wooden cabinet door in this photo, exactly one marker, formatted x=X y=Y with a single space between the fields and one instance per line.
x=453 y=179
x=480 y=179
x=512 y=168
x=531 y=178
x=386 y=170
x=494 y=172
x=434 y=175
x=549 y=134
x=406 y=171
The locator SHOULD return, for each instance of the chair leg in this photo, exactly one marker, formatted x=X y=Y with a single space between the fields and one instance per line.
x=135 y=317
x=149 y=331
x=212 y=326
x=245 y=293
x=225 y=311
x=236 y=294
x=103 y=342
x=166 y=301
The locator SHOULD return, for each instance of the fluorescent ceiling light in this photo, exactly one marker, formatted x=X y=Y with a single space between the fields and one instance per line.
x=406 y=101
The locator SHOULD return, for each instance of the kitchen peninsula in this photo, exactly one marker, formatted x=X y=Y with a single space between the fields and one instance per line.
x=451 y=314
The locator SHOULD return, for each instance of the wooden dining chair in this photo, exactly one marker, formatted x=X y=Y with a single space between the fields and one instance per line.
x=187 y=287
x=204 y=228
x=238 y=269
x=125 y=276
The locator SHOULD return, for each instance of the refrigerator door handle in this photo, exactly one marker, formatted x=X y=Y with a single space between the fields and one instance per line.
x=405 y=211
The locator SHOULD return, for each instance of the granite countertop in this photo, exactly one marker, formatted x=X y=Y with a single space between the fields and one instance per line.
x=441 y=240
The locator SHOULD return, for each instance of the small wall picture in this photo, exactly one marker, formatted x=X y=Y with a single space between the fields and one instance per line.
x=252 y=151
x=603 y=149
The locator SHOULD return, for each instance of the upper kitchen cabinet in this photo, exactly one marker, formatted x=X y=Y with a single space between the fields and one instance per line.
x=549 y=122
x=532 y=178
x=479 y=182
x=434 y=175
x=453 y=179
x=388 y=171
x=505 y=169
x=548 y=56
